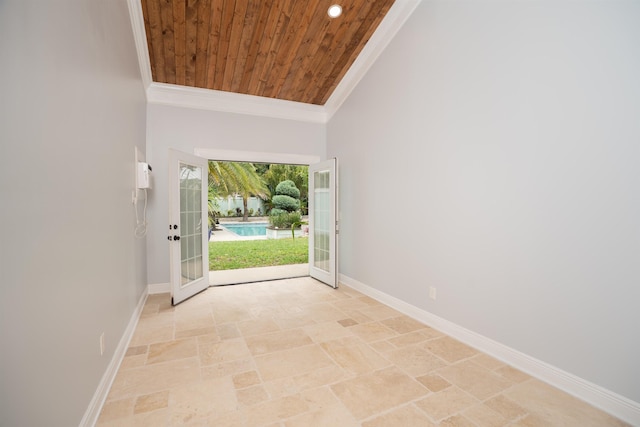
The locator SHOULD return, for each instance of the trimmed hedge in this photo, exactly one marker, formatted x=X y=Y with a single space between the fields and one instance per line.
x=285 y=203
x=288 y=188
x=284 y=220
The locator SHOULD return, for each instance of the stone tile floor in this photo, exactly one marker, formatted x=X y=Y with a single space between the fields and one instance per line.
x=297 y=353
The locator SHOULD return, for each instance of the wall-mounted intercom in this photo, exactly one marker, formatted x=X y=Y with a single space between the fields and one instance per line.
x=142 y=178
x=144 y=175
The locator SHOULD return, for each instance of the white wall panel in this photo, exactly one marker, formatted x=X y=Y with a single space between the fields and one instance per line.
x=72 y=110
x=510 y=131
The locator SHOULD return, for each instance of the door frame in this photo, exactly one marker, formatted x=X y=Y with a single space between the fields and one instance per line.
x=256 y=157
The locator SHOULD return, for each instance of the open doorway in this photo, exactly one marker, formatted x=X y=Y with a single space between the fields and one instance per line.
x=257 y=221
x=188 y=219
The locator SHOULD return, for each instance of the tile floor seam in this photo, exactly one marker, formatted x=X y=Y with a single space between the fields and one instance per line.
x=505 y=404
x=476 y=402
x=395 y=408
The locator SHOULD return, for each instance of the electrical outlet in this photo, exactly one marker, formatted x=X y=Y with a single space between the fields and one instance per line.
x=432 y=292
x=101 y=344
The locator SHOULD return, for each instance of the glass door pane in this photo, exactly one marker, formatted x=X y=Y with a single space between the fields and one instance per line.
x=323 y=246
x=190 y=223
x=321 y=229
x=188 y=219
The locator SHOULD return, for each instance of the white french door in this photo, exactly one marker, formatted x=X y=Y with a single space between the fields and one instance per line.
x=189 y=249
x=323 y=225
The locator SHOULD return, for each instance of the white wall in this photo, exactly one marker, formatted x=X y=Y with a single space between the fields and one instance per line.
x=72 y=110
x=189 y=129
x=513 y=126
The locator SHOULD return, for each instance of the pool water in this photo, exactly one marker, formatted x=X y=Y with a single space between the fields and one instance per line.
x=248 y=229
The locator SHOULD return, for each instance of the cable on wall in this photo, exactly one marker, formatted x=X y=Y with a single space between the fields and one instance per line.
x=141 y=226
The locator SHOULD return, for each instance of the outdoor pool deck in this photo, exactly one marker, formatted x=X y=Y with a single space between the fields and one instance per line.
x=223 y=235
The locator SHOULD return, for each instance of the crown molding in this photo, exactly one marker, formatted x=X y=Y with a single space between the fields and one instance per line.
x=140 y=39
x=205 y=99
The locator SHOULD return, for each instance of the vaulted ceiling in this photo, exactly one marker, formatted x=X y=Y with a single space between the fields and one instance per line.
x=282 y=49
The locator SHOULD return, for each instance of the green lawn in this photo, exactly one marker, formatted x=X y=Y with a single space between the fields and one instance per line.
x=258 y=253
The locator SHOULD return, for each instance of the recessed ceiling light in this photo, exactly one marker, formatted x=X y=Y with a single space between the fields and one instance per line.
x=335 y=11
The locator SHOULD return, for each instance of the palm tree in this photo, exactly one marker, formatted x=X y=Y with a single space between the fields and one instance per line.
x=237 y=178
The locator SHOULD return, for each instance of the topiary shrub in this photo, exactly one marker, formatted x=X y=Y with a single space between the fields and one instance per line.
x=286 y=205
x=288 y=188
x=276 y=212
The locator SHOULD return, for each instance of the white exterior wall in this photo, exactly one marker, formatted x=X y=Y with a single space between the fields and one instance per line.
x=513 y=127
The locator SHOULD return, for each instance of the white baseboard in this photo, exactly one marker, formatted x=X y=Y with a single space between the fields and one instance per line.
x=159 y=288
x=95 y=406
x=606 y=400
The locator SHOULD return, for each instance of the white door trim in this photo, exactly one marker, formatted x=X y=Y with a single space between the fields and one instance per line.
x=256 y=156
x=250 y=275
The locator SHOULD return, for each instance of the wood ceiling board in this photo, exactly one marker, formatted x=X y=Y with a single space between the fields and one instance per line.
x=282 y=49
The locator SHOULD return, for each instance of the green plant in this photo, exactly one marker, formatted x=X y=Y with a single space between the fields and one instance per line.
x=286 y=205
x=274 y=174
x=288 y=188
x=296 y=225
x=237 y=178
x=213 y=213
x=284 y=220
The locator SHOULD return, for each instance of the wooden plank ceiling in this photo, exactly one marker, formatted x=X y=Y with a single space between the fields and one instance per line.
x=284 y=49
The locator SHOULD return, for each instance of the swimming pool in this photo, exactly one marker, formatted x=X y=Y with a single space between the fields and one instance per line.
x=248 y=229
